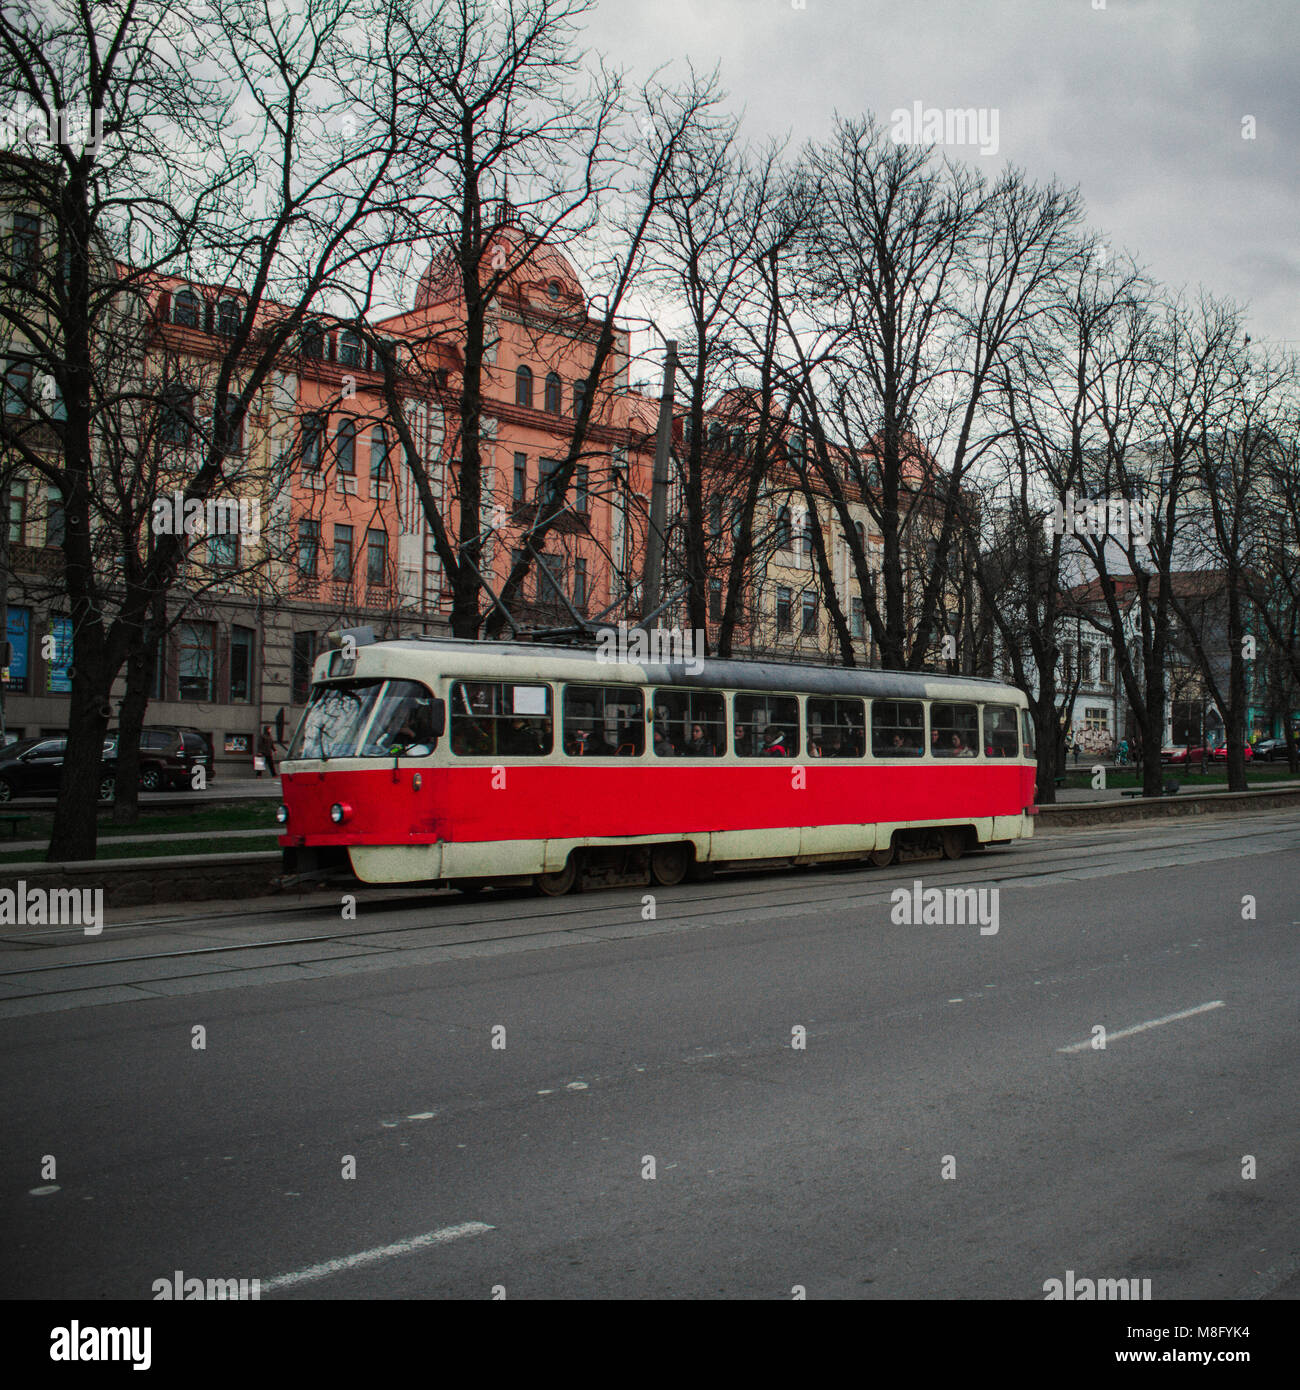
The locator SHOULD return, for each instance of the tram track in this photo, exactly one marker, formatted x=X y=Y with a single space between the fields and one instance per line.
x=581 y=914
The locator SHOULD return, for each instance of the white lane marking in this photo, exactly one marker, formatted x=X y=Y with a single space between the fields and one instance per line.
x=1142 y=1027
x=369 y=1257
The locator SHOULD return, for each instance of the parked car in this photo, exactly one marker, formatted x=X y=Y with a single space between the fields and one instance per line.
x=1192 y=753
x=168 y=757
x=34 y=767
x=1271 y=750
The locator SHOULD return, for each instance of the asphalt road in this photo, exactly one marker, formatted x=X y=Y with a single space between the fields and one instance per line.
x=524 y=1168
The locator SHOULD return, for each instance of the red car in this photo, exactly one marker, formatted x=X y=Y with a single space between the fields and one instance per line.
x=1193 y=754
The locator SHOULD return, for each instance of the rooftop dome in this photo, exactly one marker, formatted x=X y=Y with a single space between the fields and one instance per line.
x=545 y=275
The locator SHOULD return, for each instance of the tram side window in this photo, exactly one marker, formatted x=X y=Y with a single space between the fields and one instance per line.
x=689 y=724
x=1000 y=738
x=1027 y=732
x=498 y=718
x=603 y=721
x=897 y=728
x=954 y=731
x=836 y=728
x=767 y=726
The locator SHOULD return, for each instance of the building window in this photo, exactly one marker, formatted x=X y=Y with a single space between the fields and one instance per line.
x=783 y=597
x=550 y=577
x=18 y=388
x=308 y=547
x=343 y=552
x=1103 y=665
x=809 y=628
x=55 y=517
x=520 y=493
x=345 y=445
x=547 y=469
x=241 y=665
x=232 y=423
x=524 y=386
x=378 y=454
x=197 y=661
x=580 y=489
x=580 y=585
x=18 y=511
x=376 y=558
x=715 y=517
x=174 y=426
x=351 y=348
x=25 y=245
x=223 y=552
x=228 y=317
x=553 y=390
x=783 y=534
x=715 y=600
x=304 y=653
x=313 y=435
x=857 y=618
x=312 y=344
x=1096 y=719
x=579 y=397
x=186 y=309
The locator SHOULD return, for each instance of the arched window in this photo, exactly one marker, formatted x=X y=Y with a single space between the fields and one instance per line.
x=186 y=309
x=351 y=348
x=783 y=536
x=553 y=392
x=313 y=343
x=715 y=436
x=579 y=396
x=228 y=317
x=345 y=445
x=738 y=441
x=524 y=387
x=862 y=536
x=796 y=448
x=379 y=454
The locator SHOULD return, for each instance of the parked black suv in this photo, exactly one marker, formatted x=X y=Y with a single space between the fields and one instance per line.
x=168 y=756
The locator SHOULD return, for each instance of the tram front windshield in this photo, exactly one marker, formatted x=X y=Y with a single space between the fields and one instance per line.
x=366 y=719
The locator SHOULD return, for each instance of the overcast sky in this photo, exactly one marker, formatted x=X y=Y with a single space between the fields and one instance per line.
x=1141 y=104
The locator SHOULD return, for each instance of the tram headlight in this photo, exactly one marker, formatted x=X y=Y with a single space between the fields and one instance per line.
x=282 y=814
x=340 y=812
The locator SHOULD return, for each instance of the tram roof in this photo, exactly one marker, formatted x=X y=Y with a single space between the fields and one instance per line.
x=487 y=660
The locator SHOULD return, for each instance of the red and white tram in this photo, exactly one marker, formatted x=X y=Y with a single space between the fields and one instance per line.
x=436 y=760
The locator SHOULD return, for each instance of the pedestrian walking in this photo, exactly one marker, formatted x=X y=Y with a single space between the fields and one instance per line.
x=266 y=750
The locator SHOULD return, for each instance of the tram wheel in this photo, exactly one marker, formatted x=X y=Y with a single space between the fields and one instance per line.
x=954 y=843
x=669 y=863
x=556 y=885
x=882 y=858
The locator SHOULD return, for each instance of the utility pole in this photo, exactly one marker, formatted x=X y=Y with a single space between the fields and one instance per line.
x=652 y=584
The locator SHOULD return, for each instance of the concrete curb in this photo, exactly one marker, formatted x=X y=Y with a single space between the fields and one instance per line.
x=1140 y=808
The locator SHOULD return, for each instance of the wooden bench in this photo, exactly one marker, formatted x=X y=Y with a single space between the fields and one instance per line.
x=13 y=821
